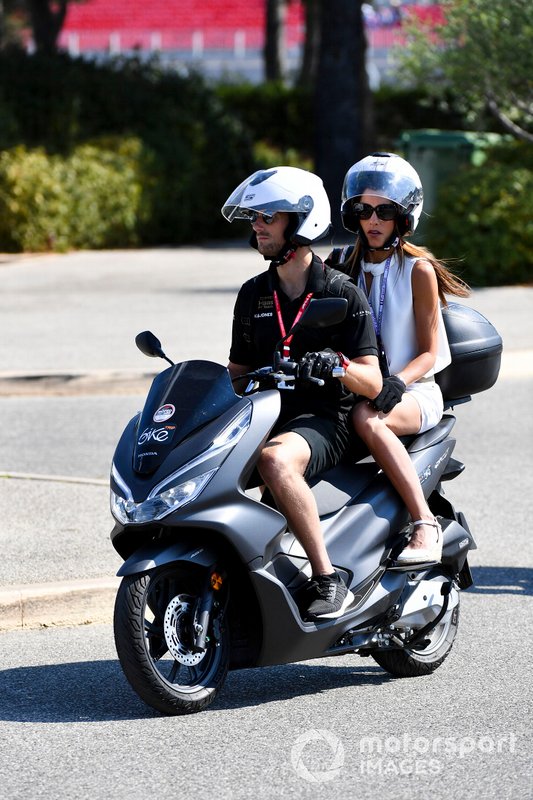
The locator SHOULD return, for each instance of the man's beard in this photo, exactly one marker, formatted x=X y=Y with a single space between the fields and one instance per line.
x=269 y=249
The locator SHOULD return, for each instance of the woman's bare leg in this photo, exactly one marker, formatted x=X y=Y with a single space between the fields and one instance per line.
x=380 y=433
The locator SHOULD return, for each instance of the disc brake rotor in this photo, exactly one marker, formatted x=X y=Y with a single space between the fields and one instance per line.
x=177 y=627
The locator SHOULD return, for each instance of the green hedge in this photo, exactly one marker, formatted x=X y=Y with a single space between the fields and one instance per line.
x=90 y=199
x=281 y=116
x=192 y=152
x=484 y=218
x=126 y=153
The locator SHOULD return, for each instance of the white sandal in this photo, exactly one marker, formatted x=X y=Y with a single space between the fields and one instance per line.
x=415 y=555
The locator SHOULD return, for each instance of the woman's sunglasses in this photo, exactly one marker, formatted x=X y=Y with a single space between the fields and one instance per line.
x=253 y=216
x=385 y=211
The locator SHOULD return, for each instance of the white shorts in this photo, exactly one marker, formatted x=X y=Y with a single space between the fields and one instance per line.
x=429 y=398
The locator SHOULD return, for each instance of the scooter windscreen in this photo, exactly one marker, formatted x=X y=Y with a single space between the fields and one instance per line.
x=181 y=399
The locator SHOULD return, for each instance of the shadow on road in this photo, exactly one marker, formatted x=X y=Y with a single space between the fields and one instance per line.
x=94 y=691
x=502 y=580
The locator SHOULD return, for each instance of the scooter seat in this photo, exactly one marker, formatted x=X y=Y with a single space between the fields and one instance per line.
x=435 y=435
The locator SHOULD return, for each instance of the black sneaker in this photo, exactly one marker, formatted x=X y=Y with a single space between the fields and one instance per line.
x=330 y=596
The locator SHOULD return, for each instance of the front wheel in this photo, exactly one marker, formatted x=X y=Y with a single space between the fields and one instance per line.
x=414 y=663
x=153 y=623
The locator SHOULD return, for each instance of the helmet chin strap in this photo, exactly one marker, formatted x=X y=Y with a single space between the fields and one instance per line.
x=391 y=242
x=288 y=250
x=385 y=247
x=285 y=254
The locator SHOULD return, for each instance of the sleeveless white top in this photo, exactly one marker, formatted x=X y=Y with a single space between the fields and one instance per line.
x=398 y=332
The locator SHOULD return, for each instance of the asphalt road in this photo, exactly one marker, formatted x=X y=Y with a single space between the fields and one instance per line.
x=72 y=728
x=69 y=724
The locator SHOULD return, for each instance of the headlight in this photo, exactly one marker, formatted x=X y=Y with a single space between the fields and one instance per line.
x=169 y=495
x=158 y=506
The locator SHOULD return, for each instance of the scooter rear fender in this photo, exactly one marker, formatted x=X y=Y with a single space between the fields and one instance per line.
x=457 y=542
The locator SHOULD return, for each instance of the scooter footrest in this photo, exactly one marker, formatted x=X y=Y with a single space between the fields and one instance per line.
x=422 y=565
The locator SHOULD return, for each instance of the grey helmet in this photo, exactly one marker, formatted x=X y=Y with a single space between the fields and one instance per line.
x=387 y=175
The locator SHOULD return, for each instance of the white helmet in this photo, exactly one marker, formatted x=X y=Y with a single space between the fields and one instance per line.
x=390 y=176
x=288 y=189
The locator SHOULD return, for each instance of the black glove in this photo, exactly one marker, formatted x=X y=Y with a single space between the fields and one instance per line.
x=319 y=365
x=393 y=389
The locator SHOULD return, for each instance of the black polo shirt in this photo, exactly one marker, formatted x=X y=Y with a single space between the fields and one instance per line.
x=256 y=334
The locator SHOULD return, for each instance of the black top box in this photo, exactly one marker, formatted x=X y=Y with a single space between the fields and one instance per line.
x=476 y=349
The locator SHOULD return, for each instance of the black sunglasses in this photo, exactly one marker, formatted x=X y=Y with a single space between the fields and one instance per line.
x=253 y=216
x=385 y=211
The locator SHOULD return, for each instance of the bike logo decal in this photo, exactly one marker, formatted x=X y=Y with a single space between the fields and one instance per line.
x=441 y=459
x=153 y=434
x=164 y=413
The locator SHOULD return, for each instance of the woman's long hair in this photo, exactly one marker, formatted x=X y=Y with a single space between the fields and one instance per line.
x=448 y=283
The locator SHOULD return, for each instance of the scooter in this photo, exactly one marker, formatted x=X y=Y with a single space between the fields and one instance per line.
x=213 y=579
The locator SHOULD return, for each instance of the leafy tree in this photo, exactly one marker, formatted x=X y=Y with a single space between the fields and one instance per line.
x=45 y=18
x=11 y=22
x=483 y=52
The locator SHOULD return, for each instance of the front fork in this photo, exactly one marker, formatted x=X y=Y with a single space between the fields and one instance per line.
x=209 y=609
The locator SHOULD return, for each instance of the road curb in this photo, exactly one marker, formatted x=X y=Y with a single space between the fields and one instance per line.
x=50 y=383
x=515 y=363
x=45 y=605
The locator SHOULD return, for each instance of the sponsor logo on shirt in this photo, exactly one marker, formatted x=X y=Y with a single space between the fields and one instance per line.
x=265 y=302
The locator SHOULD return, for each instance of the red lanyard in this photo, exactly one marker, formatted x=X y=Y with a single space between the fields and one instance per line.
x=286 y=344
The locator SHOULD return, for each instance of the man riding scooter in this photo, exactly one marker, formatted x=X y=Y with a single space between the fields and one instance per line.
x=288 y=210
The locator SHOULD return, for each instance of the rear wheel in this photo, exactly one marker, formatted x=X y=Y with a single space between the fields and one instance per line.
x=153 y=622
x=414 y=663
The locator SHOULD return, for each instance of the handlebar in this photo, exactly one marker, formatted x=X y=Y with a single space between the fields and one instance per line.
x=279 y=376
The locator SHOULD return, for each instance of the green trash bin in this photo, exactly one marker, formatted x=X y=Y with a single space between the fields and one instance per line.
x=437 y=155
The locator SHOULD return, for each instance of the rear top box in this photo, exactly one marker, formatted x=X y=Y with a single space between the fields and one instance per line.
x=476 y=348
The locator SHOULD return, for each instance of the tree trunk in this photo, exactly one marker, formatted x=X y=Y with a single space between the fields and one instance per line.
x=311 y=45
x=274 y=50
x=342 y=107
x=47 y=20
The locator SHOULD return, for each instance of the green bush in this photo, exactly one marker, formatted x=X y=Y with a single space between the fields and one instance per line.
x=193 y=151
x=90 y=199
x=34 y=206
x=484 y=217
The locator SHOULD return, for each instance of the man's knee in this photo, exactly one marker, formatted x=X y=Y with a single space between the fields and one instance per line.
x=280 y=458
x=269 y=460
x=362 y=416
